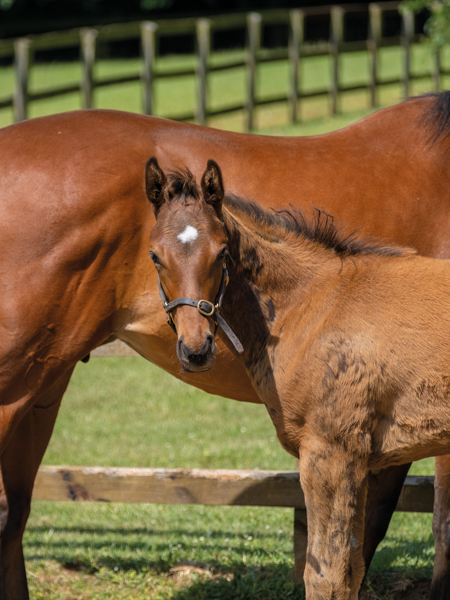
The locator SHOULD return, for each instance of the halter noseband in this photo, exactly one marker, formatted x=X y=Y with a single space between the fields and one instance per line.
x=205 y=308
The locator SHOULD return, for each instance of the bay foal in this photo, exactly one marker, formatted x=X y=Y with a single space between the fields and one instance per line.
x=346 y=342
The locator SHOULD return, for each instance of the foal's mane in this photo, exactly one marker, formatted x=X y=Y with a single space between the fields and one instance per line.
x=285 y=225
x=320 y=229
x=182 y=183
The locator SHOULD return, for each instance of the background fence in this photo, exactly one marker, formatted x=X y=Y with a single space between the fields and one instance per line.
x=204 y=31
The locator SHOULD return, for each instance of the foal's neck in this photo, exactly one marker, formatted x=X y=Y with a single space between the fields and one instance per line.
x=271 y=277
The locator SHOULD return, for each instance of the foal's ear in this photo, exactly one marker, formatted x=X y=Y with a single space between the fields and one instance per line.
x=212 y=186
x=155 y=183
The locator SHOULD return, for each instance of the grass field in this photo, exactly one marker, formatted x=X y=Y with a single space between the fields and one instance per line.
x=126 y=412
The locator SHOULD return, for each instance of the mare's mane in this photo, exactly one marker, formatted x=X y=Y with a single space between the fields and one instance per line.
x=285 y=225
x=437 y=117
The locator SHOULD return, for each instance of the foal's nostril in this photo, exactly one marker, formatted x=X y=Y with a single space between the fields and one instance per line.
x=196 y=358
x=209 y=342
x=181 y=347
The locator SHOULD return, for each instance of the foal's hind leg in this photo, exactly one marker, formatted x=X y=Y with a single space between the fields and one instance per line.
x=19 y=464
x=334 y=482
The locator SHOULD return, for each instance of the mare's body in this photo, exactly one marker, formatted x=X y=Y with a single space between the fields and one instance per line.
x=74 y=230
x=346 y=343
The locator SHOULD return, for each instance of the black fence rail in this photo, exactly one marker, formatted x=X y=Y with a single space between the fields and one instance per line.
x=203 y=30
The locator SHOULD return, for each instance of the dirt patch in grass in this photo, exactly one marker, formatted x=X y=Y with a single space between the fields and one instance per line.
x=396 y=587
x=183 y=573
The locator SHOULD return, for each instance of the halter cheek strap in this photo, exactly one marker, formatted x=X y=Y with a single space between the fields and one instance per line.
x=205 y=308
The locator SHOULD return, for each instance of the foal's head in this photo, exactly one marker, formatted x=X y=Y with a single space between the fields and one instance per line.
x=188 y=246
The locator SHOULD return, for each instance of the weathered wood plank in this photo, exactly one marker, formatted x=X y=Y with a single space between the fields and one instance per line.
x=148 y=43
x=88 y=38
x=372 y=45
x=408 y=33
x=196 y=486
x=169 y=486
x=417 y=494
x=22 y=67
x=337 y=35
x=253 y=46
x=437 y=70
x=295 y=42
x=203 y=28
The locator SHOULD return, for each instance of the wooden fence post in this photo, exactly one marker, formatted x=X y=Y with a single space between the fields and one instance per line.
x=148 y=34
x=437 y=70
x=408 y=32
x=372 y=45
x=203 y=28
x=88 y=48
x=337 y=33
x=254 y=41
x=297 y=19
x=22 y=68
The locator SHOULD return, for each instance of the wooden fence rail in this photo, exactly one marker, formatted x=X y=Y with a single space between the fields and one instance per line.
x=200 y=486
x=203 y=31
x=205 y=486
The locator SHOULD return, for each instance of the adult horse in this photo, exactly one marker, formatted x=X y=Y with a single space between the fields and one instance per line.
x=346 y=342
x=74 y=230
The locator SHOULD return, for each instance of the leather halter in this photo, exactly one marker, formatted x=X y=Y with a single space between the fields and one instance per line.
x=205 y=308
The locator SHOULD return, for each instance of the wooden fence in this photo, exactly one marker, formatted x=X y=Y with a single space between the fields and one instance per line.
x=200 y=486
x=88 y=39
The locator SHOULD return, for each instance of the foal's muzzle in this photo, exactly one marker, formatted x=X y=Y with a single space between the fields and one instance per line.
x=196 y=362
x=206 y=309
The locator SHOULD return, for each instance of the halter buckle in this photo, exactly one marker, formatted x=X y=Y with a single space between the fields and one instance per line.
x=204 y=312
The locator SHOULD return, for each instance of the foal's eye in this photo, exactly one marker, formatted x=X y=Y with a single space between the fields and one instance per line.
x=222 y=253
x=154 y=258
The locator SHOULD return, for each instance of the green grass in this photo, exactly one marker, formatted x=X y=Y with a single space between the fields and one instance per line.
x=126 y=412
x=154 y=420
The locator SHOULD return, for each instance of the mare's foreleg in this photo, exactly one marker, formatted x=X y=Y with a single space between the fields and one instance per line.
x=19 y=463
x=334 y=482
x=440 y=585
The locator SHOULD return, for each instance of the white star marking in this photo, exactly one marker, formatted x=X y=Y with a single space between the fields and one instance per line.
x=188 y=235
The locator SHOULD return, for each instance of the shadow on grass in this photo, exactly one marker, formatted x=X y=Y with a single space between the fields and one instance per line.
x=389 y=557
x=89 y=549
x=401 y=554
x=399 y=564
x=253 y=583
x=144 y=531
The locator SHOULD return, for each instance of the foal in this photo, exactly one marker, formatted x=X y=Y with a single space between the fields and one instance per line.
x=347 y=343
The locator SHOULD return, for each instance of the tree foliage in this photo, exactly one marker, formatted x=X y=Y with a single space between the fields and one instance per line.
x=437 y=26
